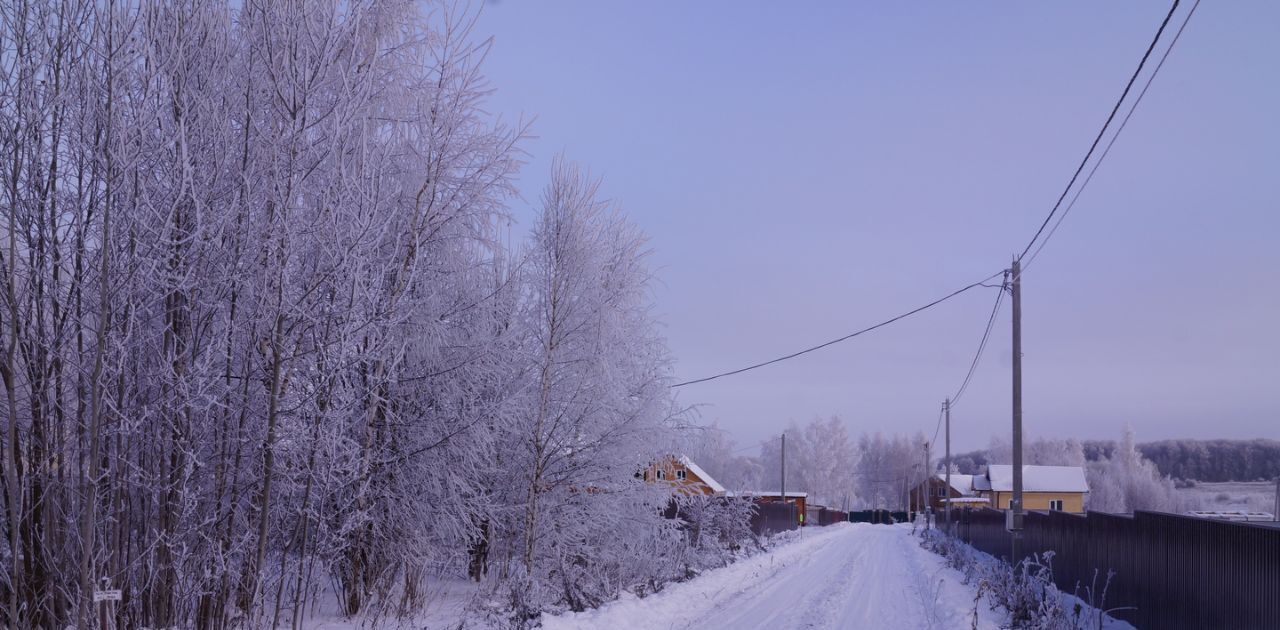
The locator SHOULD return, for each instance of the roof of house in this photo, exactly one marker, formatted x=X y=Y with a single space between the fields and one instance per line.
x=1039 y=478
x=769 y=493
x=702 y=474
x=960 y=483
x=1233 y=515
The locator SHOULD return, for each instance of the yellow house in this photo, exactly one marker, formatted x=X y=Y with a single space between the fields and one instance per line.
x=1060 y=488
x=682 y=475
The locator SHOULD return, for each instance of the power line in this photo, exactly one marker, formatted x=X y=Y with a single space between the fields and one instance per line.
x=1058 y=204
x=844 y=338
x=1103 y=131
x=938 y=426
x=973 y=366
x=1084 y=184
x=756 y=445
x=1112 y=142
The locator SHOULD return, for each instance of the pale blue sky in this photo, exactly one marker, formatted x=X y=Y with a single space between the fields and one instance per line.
x=805 y=171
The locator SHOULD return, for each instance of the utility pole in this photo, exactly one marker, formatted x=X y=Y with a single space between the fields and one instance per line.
x=924 y=501
x=1275 y=508
x=783 y=491
x=946 y=408
x=1014 y=516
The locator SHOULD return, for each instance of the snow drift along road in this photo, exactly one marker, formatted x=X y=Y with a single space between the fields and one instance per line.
x=842 y=576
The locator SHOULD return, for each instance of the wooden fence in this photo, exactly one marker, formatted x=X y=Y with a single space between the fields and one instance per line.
x=1175 y=571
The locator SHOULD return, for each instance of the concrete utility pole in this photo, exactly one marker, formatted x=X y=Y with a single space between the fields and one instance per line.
x=1275 y=508
x=924 y=500
x=783 y=491
x=1014 y=522
x=946 y=408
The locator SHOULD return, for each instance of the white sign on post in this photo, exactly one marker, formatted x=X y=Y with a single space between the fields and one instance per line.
x=106 y=596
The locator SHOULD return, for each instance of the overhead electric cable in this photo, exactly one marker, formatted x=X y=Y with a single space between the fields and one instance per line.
x=1041 y=230
x=846 y=337
x=973 y=366
x=937 y=427
x=1111 y=143
x=1079 y=169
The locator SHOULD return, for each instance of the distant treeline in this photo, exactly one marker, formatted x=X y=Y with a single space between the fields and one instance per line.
x=1201 y=460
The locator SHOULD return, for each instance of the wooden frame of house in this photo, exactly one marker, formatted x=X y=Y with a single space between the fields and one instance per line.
x=683 y=475
x=962 y=493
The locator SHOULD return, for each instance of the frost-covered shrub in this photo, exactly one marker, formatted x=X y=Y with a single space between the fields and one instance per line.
x=716 y=529
x=1027 y=592
x=956 y=554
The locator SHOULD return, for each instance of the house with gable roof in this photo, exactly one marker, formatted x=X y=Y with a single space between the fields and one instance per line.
x=1061 y=488
x=683 y=475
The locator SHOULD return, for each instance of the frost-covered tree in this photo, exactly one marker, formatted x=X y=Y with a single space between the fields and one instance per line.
x=716 y=452
x=887 y=468
x=830 y=460
x=1128 y=481
x=1037 y=452
x=597 y=394
x=259 y=334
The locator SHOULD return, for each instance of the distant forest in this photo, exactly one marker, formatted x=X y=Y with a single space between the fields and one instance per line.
x=1201 y=460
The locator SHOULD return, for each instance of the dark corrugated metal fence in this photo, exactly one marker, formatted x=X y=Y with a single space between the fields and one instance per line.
x=884 y=517
x=831 y=517
x=1177 y=571
x=771 y=517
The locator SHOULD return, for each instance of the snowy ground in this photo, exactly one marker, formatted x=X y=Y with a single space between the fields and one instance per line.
x=842 y=576
x=446 y=609
x=1253 y=496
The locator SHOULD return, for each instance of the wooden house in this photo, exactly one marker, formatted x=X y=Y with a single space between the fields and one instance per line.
x=682 y=475
x=934 y=491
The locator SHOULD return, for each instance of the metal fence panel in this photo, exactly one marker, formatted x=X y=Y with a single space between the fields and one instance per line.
x=1174 y=571
x=771 y=517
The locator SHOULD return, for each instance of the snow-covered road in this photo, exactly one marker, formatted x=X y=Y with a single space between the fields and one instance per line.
x=842 y=576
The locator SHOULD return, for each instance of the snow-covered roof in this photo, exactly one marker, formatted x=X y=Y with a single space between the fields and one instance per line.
x=769 y=493
x=702 y=474
x=1233 y=515
x=1039 y=478
x=981 y=483
x=960 y=483
x=955 y=500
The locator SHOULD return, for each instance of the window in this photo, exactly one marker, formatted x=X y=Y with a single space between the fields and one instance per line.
x=942 y=492
x=661 y=474
x=1055 y=504
x=681 y=475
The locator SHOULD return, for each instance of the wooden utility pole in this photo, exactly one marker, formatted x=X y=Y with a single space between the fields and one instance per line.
x=1014 y=517
x=946 y=408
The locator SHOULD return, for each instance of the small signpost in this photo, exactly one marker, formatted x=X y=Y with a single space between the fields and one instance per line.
x=105 y=595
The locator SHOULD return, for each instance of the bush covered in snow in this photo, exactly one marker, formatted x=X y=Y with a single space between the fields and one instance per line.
x=1026 y=593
